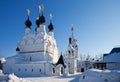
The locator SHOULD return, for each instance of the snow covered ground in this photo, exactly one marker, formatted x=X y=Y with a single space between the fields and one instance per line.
x=13 y=78
x=69 y=78
x=95 y=75
x=10 y=78
x=92 y=75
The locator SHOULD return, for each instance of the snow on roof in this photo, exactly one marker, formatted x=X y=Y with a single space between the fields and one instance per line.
x=11 y=78
x=115 y=50
x=61 y=61
x=115 y=57
x=34 y=62
x=2 y=60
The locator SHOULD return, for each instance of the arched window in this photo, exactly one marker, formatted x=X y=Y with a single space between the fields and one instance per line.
x=40 y=70
x=25 y=69
x=32 y=70
x=30 y=58
x=69 y=51
x=70 y=40
x=53 y=70
x=61 y=70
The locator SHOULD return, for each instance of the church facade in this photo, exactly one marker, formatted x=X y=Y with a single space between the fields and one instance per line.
x=37 y=54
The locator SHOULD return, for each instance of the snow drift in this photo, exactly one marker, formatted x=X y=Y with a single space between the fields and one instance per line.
x=10 y=78
x=95 y=75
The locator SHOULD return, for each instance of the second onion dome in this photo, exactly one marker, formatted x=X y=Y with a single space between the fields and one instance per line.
x=41 y=18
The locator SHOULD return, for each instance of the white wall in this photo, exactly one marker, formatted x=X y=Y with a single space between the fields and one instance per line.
x=27 y=69
x=113 y=66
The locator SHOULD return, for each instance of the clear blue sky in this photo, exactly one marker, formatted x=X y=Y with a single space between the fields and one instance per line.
x=96 y=22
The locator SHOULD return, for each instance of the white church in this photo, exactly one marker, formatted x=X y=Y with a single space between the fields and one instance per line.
x=37 y=54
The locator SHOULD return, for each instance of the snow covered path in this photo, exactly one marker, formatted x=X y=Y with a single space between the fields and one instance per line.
x=70 y=78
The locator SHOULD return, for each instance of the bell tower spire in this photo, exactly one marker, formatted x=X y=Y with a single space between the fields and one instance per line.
x=72 y=30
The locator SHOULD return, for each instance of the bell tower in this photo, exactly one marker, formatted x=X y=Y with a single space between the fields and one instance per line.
x=71 y=56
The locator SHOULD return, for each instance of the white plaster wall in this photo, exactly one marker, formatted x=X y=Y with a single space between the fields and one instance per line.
x=33 y=47
x=28 y=69
x=72 y=65
x=7 y=67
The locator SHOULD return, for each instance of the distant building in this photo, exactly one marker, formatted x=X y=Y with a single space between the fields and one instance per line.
x=84 y=65
x=110 y=61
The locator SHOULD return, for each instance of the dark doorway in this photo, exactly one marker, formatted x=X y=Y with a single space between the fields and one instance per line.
x=53 y=70
x=82 y=69
x=61 y=70
x=0 y=65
